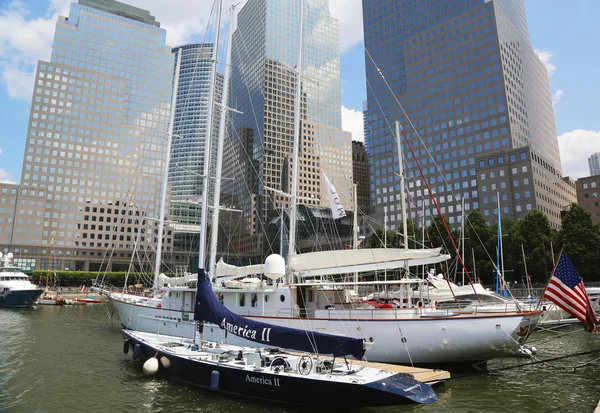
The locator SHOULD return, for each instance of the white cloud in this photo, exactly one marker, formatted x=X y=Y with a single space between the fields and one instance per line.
x=352 y=121
x=0 y=151
x=4 y=175
x=575 y=149
x=349 y=15
x=556 y=97
x=545 y=57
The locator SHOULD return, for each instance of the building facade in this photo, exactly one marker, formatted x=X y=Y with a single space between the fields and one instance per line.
x=464 y=81
x=360 y=172
x=264 y=57
x=594 y=164
x=96 y=148
x=588 y=196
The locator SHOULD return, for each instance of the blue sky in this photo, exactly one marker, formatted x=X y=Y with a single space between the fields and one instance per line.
x=563 y=33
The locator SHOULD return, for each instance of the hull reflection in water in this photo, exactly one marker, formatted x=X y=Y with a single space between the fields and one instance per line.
x=273 y=375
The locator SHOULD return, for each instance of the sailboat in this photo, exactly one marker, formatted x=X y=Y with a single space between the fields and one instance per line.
x=49 y=298
x=411 y=333
x=270 y=373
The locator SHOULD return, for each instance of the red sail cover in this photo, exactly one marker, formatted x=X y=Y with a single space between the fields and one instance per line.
x=208 y=308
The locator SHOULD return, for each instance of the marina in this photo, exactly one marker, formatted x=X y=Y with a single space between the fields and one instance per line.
x=70 y=358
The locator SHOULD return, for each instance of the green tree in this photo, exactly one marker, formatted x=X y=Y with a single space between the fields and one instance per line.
x=535 y=234
x=479 y=240
x=580 y=239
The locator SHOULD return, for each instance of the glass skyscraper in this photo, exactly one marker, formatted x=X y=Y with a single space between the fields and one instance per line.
x=264 y=58
x=190 y=123
x=96 y=143
x=473 y=89
x=594 y=164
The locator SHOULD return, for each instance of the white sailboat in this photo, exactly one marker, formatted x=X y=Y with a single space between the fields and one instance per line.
x=412 y=333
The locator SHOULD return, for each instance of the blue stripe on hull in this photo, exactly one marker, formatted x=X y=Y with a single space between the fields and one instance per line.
x=20 y=299
x=272 y=387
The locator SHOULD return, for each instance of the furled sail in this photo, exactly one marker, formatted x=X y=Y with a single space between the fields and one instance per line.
x=210 y=309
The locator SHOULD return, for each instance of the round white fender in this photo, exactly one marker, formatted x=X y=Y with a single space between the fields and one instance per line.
x=151 y=366
x=166 y=363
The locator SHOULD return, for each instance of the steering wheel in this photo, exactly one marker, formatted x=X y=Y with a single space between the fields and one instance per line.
x=305 y=364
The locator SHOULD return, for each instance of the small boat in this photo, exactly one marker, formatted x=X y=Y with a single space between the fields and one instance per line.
x=48 y=299
x=15 y=288
x=88 y=300
x=273 y=374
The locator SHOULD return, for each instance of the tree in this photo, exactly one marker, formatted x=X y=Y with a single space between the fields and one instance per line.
x=479 y=240
x=580 y=239
x=535 y=234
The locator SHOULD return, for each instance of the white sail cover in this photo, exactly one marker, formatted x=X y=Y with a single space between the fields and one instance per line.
x=343 y=261
x=362 y=260
x=164 y=280
x=227 y=270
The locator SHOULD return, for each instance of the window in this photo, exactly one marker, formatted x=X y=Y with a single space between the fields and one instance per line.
x=242 y=300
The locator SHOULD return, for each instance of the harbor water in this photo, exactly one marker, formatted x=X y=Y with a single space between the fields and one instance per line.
x=70 y=359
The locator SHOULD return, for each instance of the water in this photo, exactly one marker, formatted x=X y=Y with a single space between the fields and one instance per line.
x=70 y=359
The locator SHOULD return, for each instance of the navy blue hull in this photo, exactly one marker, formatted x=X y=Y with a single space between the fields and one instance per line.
x=273 y=387
x=20 y=299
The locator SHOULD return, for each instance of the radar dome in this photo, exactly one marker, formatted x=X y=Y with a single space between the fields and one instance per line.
x=274 y=266
x=9 y=255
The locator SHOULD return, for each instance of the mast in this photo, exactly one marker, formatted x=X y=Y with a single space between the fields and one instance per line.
x=221 y=139
x=402 y=196
x=49 y=261
x=355 y=233
x=163 y=199
x=207 y=144
x=526 y=275
x=462 y=235
x=295 y=145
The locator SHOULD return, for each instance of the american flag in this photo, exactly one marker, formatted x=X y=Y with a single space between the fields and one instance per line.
x=566 y=290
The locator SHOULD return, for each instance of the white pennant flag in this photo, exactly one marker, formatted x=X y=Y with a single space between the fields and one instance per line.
x=334 y=200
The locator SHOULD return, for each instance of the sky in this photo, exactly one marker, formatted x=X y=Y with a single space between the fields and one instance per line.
x=564 y=34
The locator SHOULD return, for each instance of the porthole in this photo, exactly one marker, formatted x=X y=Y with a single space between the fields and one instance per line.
x=282 y=298
x=267 y=298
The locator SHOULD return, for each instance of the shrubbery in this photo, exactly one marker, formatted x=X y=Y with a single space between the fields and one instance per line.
x=77 y=278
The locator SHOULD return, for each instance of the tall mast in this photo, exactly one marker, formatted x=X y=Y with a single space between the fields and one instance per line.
x=163 y=199
x=207 y=144
x=355 y=232
x=402 y=196
x=462 y=235
x=296 y=144
x=221 y=139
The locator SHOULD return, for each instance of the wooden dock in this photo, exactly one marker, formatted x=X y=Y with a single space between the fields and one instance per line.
x=433 y=377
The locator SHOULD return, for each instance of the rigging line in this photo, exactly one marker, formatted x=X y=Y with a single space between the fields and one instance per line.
x=564 y=406
x=425 y=179
x=424 y=146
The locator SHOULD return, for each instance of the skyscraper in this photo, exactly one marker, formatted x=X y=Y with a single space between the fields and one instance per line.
x=264 y=57
x=96 y=142
x=473 y=89
x=190 y=123
x=594 y=163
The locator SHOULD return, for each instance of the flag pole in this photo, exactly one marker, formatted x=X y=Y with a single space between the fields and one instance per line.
x=549 y=278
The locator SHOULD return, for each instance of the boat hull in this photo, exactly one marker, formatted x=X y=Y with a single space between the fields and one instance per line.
x=394 y=389
x=420 y=341
x=19 y=298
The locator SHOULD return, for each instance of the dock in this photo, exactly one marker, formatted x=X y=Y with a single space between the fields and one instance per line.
x=433 y=377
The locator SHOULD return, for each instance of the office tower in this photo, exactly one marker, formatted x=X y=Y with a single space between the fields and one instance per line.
x=96 y=142
x=360 y=172
x=190 y=123
x=263 y=87
x=588 y=196
x=366 y=126
x=474 y=90
x=594 y=163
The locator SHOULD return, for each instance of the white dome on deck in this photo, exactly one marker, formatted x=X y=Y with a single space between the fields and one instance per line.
x=274 y=266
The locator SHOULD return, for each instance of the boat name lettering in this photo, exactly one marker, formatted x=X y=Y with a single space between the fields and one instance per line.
x=245 y=332
x=262 y=380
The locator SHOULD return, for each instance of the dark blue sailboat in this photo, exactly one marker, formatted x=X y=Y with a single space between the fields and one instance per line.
x=269 y=373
